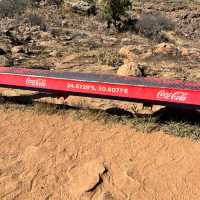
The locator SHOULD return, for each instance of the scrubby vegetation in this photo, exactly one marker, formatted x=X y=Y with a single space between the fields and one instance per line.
x=109 y=57
x=151 y=25
x=36 y=20
x=10 y=8
x=113 y=10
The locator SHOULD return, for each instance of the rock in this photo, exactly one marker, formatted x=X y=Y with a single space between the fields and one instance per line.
x=83 y=7
x=4 y=61
x=65 y=23
x=126 y=40
x=190 y=53
x=165 y=49
x=148 y=54
x=26 y=37
x=92 y=103
x=69 y=58
x=184 y=52
x=84 y=178
x=156 y=108
x=35 y=28
x=17 y=49
x=54 y=53
x=127 y=69
x=135 y=53
x=67 y=37
x=109 y=40
x=134 y=69
x=49 y=43
x=126 y=52
x=188 y=24
x=45 y=35
x=23 y=28
x=7 y=23
x=4 y=48
x=18 y=57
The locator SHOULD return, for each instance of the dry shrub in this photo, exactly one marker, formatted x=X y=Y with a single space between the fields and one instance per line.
x=183 y=129
x=10 y=8
x=109 y=57
x=36 y=20
x=151 y=26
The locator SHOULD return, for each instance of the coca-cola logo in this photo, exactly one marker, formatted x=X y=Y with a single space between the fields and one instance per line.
x=173 y=96
x=36 y=82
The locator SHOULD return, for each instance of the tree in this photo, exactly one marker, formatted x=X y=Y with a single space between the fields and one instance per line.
x=113 y=10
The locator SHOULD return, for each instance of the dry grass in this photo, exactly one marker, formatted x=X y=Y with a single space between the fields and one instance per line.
x=109 y=57
x=170 y=124
x=144 y=124
x=182 y=129
x=151 y=26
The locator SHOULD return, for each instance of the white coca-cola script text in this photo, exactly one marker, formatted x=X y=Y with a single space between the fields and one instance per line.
x=36 y=82
x=173 y=96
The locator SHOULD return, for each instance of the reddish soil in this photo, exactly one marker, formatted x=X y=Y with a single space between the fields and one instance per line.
x=61 y=157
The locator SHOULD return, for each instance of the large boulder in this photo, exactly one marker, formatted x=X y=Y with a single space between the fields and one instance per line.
x=165 y=49
x=134 y=69
x=127 y=69
x=125 y=52
x=135 y=53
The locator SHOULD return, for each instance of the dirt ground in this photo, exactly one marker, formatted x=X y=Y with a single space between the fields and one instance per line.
x=61 y=157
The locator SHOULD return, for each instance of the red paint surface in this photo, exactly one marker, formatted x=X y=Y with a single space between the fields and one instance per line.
x=140 y=92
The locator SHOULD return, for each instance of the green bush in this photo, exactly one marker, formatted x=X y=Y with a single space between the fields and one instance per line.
x=114 y=10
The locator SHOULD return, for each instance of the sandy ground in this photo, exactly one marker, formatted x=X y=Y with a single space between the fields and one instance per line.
x=59 y=157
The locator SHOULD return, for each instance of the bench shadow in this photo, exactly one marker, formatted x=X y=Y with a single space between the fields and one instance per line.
x=29 y=99
x=168 y=114
x=161 y=116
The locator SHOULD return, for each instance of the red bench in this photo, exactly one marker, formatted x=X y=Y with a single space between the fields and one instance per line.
x=146 y=90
